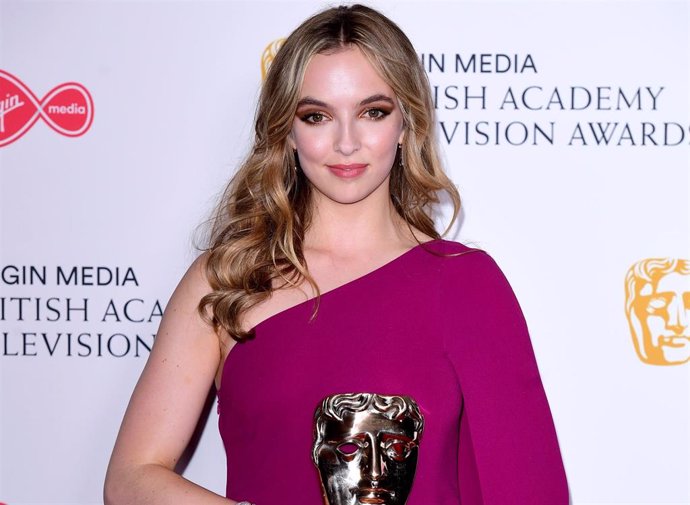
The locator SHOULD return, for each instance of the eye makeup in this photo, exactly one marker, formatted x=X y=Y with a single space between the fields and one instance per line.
x=311 y=118
x=376 y=108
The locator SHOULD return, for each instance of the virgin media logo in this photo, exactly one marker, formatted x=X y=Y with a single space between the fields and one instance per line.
x=67 y=109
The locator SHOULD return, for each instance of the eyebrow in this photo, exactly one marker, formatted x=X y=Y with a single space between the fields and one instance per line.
x=377 y=98
x=307 y=100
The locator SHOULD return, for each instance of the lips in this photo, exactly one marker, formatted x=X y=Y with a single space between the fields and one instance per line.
x=674 y=341
x=347 y=171
x=374 y=495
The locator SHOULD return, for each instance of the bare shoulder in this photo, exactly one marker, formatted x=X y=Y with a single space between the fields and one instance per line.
x=192 y=287
x=184 y=335
x=183 y=311
x=182 y=320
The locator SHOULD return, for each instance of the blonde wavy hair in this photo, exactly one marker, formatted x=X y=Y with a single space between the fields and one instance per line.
x=256 y=237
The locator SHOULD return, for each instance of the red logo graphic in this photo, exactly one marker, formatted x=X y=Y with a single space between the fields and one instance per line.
x=67 y=109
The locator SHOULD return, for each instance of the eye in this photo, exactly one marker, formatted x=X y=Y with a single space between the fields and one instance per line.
x=349 y=447
x=313 y=117
x=375 y=113
x=398 y=450
x=656 y=304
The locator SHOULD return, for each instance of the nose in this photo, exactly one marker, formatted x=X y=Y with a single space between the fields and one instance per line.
x=374 y=468
x=346 y=141
x=677 y=316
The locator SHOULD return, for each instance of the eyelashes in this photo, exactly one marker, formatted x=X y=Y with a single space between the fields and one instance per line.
x=312 y=117
x=375 y=113
x=317 y=117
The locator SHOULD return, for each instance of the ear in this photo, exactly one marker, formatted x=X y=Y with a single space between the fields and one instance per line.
x=401 y=138
x=291 y=141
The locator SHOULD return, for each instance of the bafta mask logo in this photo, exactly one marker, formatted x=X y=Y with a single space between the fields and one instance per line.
x=657 y=304
x=365 y=448
x=268 y=55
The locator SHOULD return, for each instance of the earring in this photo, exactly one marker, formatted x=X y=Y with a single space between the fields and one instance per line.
x=296 y=165
x=400 y=159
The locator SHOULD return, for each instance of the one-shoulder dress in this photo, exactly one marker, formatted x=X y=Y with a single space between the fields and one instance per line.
x=440 y=324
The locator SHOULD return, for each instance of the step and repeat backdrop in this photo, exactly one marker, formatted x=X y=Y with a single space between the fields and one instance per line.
x=566 y=126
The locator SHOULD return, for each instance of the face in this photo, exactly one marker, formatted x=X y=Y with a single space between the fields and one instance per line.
x=347 y=128
x=367 y=459
x=663 y=312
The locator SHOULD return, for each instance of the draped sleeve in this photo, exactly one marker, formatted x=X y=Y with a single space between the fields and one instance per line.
x=508 y=449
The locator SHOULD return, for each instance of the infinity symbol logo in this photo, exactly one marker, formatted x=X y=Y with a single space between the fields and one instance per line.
x=67 y=109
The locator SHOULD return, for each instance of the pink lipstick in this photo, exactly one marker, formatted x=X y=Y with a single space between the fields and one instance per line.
x=347 y=171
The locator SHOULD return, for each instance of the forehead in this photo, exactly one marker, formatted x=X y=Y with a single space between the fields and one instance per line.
x=674 y=282
x=343 y=75
x=366 y=422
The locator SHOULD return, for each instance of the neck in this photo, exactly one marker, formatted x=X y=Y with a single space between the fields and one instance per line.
x=358 y=228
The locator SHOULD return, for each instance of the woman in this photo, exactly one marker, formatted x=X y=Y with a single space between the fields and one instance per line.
x=325 y=275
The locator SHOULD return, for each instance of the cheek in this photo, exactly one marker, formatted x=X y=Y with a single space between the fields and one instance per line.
x=385 y=140
x=309 y=144
x=656 y=324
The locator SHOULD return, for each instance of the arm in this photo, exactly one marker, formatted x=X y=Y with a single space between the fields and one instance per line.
x=508 y=452
x=166 y=405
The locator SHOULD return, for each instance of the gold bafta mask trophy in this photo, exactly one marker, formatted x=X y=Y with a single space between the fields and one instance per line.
x=657 y=304
x=365 y=448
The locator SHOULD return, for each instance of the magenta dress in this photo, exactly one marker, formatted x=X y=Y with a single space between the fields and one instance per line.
x=446 y=330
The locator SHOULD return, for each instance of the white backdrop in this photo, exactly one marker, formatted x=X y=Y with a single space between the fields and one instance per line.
x=174 y=85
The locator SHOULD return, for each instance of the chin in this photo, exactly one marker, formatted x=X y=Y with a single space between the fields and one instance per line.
x=345 y=199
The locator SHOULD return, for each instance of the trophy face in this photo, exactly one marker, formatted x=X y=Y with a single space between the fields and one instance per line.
x=658 y=309
x=366 y=448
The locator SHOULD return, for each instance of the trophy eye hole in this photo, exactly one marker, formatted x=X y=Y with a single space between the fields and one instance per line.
x=657 y=303
x=348 y=448
x=398 y=450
